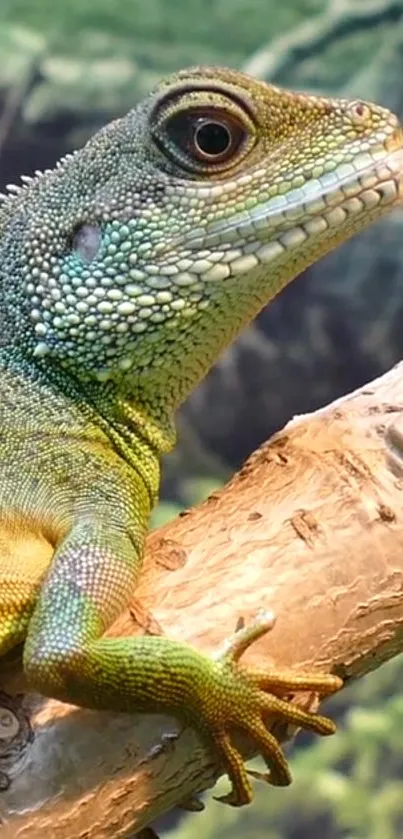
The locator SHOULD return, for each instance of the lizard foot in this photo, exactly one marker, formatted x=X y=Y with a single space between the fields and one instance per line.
x=243 y=698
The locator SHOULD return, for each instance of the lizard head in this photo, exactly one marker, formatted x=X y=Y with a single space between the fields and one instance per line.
x=141 y=256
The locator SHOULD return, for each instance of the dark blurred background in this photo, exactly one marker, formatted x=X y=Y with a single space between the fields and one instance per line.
x=66 y=68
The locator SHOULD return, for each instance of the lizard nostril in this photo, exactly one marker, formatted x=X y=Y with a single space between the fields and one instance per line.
x=360 y=113
x=359 y=109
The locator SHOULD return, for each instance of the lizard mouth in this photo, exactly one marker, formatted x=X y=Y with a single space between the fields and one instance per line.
x=361 y=189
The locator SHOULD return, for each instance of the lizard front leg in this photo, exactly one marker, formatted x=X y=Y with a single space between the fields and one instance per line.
x=92 y=575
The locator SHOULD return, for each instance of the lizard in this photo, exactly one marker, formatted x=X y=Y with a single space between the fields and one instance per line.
x=124 y=272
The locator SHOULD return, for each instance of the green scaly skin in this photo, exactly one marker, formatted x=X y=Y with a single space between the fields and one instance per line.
x=123 y=274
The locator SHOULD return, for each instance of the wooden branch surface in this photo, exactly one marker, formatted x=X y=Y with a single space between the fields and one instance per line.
x=311 y=527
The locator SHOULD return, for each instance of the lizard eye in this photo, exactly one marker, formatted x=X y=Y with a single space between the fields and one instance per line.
x=212 y=138
x=206 y=136
x=86 y=241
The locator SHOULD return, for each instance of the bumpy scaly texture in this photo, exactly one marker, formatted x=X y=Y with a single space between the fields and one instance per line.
x=123 y=274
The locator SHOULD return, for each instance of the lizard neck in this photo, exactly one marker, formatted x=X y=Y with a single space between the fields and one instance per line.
x=58 y=403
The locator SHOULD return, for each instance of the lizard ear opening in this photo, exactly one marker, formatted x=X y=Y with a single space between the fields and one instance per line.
x=86 y=241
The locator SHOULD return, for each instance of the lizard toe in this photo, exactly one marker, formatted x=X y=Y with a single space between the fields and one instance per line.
x=241 y=789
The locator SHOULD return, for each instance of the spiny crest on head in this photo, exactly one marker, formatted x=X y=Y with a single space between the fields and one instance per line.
x=14 y=190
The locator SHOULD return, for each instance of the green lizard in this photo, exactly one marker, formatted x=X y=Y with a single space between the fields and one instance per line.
x=124 y=272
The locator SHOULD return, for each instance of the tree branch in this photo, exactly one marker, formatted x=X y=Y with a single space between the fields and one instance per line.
x=311 y=527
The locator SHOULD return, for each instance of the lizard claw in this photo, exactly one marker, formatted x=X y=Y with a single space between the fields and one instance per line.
x=246 y=698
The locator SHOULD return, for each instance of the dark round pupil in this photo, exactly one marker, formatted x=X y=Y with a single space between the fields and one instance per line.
x=212 y=138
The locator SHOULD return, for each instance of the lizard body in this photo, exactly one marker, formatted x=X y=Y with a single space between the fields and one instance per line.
x=124 y=272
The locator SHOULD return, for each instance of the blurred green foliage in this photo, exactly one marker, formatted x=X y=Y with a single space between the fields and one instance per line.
x=101 y=55
x=237 y=24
